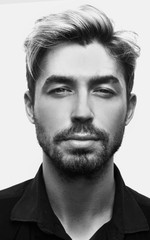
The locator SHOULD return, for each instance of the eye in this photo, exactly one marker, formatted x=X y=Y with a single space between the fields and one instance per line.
x=104 y=92
x=62 y=91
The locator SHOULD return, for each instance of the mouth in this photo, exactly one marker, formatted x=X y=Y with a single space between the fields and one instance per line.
x=82 y=137
x=81 y=141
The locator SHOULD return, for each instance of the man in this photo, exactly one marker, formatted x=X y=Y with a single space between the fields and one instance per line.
x=80 y=76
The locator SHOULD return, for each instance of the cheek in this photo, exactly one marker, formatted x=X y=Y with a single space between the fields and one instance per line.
x=53 y=117
x=111 y=116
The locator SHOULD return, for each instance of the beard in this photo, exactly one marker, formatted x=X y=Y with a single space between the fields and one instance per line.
x=79 y=162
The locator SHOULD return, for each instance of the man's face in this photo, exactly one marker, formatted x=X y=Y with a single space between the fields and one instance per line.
x=80 y=108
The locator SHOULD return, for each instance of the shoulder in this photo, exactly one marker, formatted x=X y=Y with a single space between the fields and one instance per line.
x=142 y=201
x=13 y=191
x=8 y=198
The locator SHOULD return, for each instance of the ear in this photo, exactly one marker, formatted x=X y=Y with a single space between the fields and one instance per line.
x=29 y=106
x=130 y=108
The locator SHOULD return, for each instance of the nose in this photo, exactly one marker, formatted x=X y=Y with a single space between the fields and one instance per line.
x=82 y=111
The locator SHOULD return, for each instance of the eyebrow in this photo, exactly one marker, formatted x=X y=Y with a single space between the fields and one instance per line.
x=57 y=79
x=107 y=79
x=70 y=80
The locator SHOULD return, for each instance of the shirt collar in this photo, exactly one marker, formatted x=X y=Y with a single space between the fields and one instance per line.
x=128 y=217
x=34 y=206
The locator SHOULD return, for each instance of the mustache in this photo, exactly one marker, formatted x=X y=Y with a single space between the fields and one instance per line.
x=81 y=128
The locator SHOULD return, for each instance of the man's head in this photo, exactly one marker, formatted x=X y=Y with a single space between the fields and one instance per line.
x=80 y=76
x=81 y=26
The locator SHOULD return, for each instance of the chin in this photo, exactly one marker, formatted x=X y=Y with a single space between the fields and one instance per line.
x=79 y=163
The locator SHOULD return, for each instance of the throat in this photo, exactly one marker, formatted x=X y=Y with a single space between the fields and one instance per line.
x=81 y=206
x=85 y=217
x=85 y=229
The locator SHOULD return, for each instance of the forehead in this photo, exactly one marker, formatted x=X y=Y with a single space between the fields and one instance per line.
x=81 y=62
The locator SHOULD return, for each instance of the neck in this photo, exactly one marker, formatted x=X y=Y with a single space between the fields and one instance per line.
x=81 y=201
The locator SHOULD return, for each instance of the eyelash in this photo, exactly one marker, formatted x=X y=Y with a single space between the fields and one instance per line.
x=60 y=90
x=103 y=92
x=107 y=92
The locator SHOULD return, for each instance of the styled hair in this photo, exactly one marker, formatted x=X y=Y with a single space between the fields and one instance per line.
x=82 y=26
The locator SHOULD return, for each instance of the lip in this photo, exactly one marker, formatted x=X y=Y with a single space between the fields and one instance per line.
x=82 y=138
x=80 y=144
x=80 y=141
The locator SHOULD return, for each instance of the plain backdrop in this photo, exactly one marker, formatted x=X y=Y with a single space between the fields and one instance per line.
x=20 y=155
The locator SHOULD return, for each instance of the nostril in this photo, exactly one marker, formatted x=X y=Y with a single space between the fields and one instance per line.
x=79 y=119
x=82 y=109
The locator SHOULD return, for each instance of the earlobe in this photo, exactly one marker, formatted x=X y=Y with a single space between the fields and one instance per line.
x=29 y=106
x=130 y=108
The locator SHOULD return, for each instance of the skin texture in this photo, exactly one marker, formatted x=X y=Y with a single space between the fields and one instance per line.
x=64 y=108
x=91 y=102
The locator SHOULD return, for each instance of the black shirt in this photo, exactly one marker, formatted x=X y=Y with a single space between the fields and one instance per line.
x=25 y=214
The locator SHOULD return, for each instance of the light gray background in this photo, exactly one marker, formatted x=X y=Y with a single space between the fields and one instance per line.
x=20 y=155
